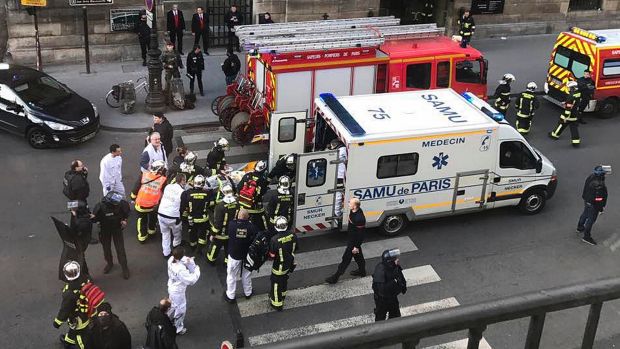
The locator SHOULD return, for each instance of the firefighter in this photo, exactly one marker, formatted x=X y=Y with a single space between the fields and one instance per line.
x=285 y=166
x=466 y=28
x=147 y=192
x=570 y=116
x=502 y=93
x=282 y=246
x=223 y=213
x=74 y=309
x=280 y=204
x=595 y=198
x=216 y=161
x=216 y=183
x=252 y=187
x=194 y=204
x=188 y=167
x=388 y=282
x=526 y=105
x=587 y=87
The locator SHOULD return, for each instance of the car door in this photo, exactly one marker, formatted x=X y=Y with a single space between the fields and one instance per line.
x=468 y=76
x=516 y=168
x=12 y=115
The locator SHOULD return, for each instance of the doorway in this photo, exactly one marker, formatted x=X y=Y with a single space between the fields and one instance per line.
x=411 y=11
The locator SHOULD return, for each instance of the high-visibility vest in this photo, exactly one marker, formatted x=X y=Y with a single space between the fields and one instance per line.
x=150 y=191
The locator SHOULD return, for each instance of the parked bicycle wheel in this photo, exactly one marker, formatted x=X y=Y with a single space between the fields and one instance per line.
x=142 y=83
x=112 y=99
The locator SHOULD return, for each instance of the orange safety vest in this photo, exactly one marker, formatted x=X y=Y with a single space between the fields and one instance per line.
x=150 y=191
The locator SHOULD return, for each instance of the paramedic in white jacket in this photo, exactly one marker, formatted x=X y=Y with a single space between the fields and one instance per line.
x=110 y=171
x=169 y=214
x=342 y=157
x=182 y=272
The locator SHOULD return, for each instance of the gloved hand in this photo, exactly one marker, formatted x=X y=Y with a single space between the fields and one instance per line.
x=56 y=324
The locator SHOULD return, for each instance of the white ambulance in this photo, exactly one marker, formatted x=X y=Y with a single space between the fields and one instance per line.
x=410 y=156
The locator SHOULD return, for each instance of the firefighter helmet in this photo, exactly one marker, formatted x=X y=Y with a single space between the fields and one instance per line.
x=199 y=181
x=281 y=224
x=531 y=86
x=222 y=143
x=157 y=166
x=71 y=270
x=190 y=158
x=260 y=166
x=284 y=184
x=227 y=189
x=508 y=78
x=571 y=84
x=290 y=162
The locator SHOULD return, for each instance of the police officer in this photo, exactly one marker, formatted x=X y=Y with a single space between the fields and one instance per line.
x=223 y=213
x=570 y=116
x=194 y=204
x=195 y=66
x=280 y=203
x=216 y=161
x=595 y=198
x=466 y=28
x=285 y=166
x=355 y=237
x=111 y=214
x=252 y=188
x=282 y=246
x=502 y=93
x=74 y=309
x=81 y=228
x=75 y=182
x=144 y=36
x=526 y=105
x=388 y=282
x=587 y=87
x=147 y=192
x=241 y=233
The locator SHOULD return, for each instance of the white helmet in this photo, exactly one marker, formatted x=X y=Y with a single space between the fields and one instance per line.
x=281 y=224
x=531 y=86
x=290 y=162
x=284 y=183
x=157 y=166
x=508 y=77
x=571 y=84
x=71 y=270
x=227 y=189
x=223 y=143
x=190 y=158
x=199 y=181
x=260 y=166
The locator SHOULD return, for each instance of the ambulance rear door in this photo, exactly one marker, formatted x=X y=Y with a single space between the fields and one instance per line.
x=315 y=191
x=287 y=134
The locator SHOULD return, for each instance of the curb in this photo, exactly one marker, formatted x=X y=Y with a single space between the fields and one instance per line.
x=146 y=129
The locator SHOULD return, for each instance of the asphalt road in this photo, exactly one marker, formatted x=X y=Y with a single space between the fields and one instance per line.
x=478 y=257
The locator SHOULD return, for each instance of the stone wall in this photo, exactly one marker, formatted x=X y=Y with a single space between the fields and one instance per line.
x=312 y=10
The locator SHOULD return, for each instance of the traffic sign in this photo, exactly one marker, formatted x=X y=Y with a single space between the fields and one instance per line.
x=40 y=3
x=90 y=2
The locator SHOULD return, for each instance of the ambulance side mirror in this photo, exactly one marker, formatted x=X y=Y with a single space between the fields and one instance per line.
x=539 y=165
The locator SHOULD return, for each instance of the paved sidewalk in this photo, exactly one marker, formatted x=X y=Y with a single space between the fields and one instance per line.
x=96 y=85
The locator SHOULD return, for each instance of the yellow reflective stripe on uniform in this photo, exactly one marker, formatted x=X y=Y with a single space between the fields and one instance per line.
x=80 y=343
x=141 y=209
x=58 y=322
x=279 y=272
x=276 y=301
x=68 y=339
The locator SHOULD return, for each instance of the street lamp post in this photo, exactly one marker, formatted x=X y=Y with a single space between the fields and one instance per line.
x=155 y=100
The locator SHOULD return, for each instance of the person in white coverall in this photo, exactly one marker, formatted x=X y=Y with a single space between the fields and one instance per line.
x=182 y=272
x=169 y=214
x=110 y=171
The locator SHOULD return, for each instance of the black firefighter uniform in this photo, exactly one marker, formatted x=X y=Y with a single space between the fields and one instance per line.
x=194 y=205
x=74 y=311
x=282 y=250
x=569 y=118
x=526 y=105
x=224 y=212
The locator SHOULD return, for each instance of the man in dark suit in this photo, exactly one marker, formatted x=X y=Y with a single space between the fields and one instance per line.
x=175 y=23
x=200 y=28
x=233 y=18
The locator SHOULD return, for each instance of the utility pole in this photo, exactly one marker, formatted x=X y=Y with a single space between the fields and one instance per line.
x=155 y=100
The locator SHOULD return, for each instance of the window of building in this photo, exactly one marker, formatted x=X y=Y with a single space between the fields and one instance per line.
x=443 y=74
x=468 y=72
x=611 y=67
x=397 y=165
x=316 y=172
x=515 y=154
x=583 y=5
x=287 y=127
x=419 y=76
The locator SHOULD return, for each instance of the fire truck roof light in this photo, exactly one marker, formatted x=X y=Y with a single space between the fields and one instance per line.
x=483 y=106
x=342 y=114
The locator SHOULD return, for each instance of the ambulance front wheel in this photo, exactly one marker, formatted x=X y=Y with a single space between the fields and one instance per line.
x=393 y=225
x=533 y=201
x=609 y=108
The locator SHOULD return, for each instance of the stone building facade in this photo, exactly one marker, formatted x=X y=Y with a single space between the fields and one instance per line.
x=62 y=39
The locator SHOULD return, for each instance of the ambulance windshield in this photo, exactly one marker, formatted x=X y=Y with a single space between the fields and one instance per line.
x=574 y=61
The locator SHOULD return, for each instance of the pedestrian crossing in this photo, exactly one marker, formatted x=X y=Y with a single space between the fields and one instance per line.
x=301 y=302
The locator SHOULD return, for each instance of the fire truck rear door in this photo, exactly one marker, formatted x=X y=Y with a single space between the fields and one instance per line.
x=287 y=134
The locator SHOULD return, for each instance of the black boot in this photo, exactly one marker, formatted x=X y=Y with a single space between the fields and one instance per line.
x=332 y=279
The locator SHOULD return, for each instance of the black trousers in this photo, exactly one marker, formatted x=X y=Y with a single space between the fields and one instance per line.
x=259 y=220
x=214 y=247
x=177 y=36
x=78 y=339
x=587 y=220
x=106 y=236
x=233 y=41
x=279 y=285
x=346 y=260
x=144 y=47
x=146 y=224
x=205 y=39
x=197 y=234
x=574 y=130
x=386 y=307
x=196 y=76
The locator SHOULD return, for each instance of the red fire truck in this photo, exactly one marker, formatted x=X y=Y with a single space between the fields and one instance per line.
x=290 y=64
x=578 y=50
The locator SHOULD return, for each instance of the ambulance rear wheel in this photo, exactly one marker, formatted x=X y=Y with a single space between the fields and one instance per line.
x=393 y=225
x=609 y=108
x=533 y=201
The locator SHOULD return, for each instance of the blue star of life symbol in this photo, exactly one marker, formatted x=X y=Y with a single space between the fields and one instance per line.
x=440 y=160
x=316 y=172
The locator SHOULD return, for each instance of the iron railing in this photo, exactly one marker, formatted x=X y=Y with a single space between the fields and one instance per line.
x=408 y=331
x=217 y=9
x=582 y=5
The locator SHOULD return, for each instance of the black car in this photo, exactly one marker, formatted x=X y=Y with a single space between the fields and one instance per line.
x=45 y=111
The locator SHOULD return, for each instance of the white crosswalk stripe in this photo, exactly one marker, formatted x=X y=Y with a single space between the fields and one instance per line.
x=460 y=344
x=326 y=293
x=346 y=323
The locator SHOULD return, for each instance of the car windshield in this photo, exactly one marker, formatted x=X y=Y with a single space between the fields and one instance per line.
x=42 y=91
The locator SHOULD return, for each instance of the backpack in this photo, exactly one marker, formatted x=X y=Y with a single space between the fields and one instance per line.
x=94 y=297
x=247 y=193
x=67 y=189
x=257 y=253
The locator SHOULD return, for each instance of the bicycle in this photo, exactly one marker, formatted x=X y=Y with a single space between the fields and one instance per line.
x=113 y=97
